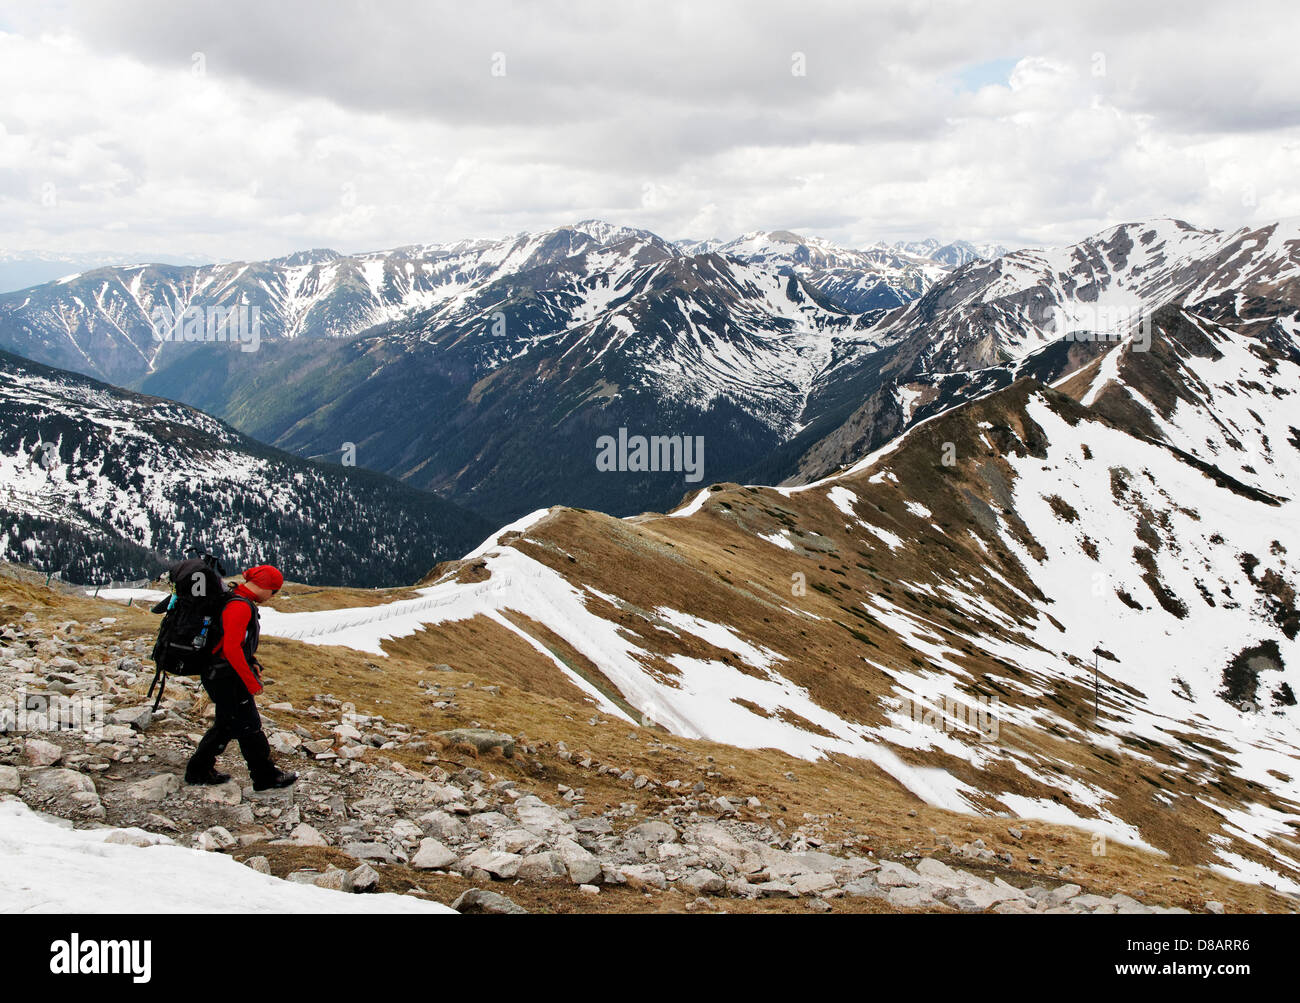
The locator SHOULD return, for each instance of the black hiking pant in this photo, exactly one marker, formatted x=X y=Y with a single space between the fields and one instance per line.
x=236 y=719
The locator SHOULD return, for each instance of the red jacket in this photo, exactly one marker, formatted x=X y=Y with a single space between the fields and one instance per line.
x=235 y=621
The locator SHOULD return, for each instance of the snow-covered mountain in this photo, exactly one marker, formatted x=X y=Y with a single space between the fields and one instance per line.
x=101 y=484
x=488 y=370
x=102 y=321
x=1040 y=313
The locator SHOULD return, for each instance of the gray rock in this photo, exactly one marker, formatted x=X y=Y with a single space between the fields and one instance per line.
x=229 y=793
x=866 y=888
x=542 y=868
x=1061 y=895
x=305 y=835
x=370 y=851
x=598 y=825
x=894 y=875
x=500 y=865
x=1215 y=907
x=132 y=717
x=443 y=826
x=432 y=856
x=583 y=867
x=59 y=783
x=812 y=884
x=537 y=816
x=11 y=780
x=481 y=739
x=912 y=898
x=641 y=876
x=42 y=753
x=703 y=882
x=215 y=838
x=652 y=832
x=259 y=864
x=518 y=841
x=363 y=878
x=335 y=879
x=159 y=787
x=479 y=900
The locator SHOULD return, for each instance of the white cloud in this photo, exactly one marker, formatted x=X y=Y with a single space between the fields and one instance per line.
x=313 y=128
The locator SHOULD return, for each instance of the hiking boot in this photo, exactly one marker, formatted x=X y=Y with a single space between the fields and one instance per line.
x=210 y=776
x=273 y=781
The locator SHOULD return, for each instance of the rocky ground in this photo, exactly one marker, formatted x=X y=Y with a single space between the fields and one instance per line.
x=360 y=819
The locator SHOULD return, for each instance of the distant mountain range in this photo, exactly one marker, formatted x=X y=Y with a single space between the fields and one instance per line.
x=488 y=370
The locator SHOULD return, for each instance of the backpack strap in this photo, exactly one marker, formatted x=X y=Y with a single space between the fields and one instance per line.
x=159 y=680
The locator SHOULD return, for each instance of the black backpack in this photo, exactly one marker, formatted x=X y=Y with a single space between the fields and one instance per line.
x=190 y=631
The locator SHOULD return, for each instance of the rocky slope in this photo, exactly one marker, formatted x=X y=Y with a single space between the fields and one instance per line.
x=493 y=822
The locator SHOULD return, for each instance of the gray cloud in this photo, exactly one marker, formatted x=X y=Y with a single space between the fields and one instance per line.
x=372 y=124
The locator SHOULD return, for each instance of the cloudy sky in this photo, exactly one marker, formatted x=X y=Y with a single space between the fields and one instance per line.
x=247 y=128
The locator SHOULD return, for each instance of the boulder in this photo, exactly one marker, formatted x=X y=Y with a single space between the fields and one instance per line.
x=440 y=825
x=703 y=882
x=583 y=867
x=479 y=900
x=539 y=817
x=156 y=788
x=481 y=739
x=306 y=835
x=432 y=856
x=642 y=876
x=363 y=878
x=229 y=793
x=542 y=868
x=653 y=831
x=215 y=838
x=59 y=783
x=500 y=865
x=132 y=717
x=42 y=753
x=911 y=898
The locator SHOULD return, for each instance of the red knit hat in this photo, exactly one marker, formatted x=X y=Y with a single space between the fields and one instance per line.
x=265 y=576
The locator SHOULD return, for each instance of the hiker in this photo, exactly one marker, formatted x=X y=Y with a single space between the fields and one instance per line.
x=232 y=680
